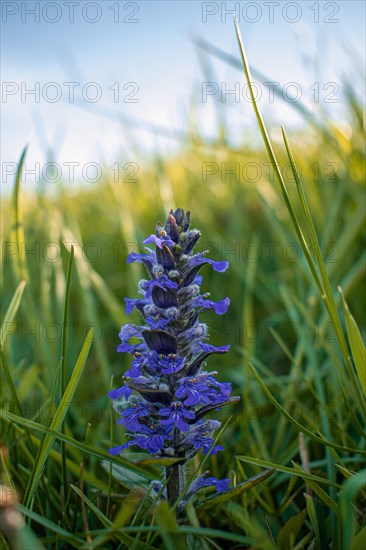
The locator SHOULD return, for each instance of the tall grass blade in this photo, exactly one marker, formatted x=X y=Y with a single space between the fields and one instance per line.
x=350 y=489
x=63 y=359
x=4 y=331
x=299 y=426
x=58 y=419
x=330 y=302
x=81 y=446
x=70 y=538
x=11 y=313
x=169 y=530
x=314 y=522
x=356 y=344
x=285 y=469
x=17 y=229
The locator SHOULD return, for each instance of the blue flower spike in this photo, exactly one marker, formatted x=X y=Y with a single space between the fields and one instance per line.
x=167 y=393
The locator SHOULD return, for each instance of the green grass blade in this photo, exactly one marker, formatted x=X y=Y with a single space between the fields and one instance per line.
x=7 y=322
x=73 y=467
x=81 y=446
x=359 y=540
x=17 y=229
x=19 y=258
x=58 y=418
x=200 y=532
x=285 y=469
x=26 y=538
x=299 y=426
x=350 y=489
x=274 y=162
x=314 y=522
x=125 y=476
x=237 y=491
x=106 y=522
x=330 y=302
x=288 y=533
x=122 y=537
x=323 y=285
x=328 y=501
x=356 y=344
x=65 y=535
x=169 y=530
x=11 y=313
x=63 y=359
x=90 y=312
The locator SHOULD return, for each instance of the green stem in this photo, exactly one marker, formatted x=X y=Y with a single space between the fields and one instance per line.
x=176 y=482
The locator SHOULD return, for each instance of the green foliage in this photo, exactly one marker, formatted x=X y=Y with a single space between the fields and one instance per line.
x=295 y=445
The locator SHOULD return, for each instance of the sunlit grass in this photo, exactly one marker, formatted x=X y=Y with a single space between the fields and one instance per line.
x=296 y=359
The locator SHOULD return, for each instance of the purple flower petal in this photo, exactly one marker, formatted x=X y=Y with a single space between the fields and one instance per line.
x=124 y=391
x=131 y=303
x=130 y=331
x=159 y=242
x=126 y=348
x=157 y=322
x=117 y=450
x=208 y=348
x=198 y=280
x=127 y=332
x=163 y=283
x=204 y=481
x=171 y=364
x=176 y=415
x=141 y=258
x=152 y=444
x=181 y=424
x=220 y=307
x=199 y=259
x=214 y=450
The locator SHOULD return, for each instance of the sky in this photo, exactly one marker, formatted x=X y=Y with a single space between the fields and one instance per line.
x=90 y=84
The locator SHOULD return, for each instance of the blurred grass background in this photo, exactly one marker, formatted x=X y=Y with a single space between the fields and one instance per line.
x=276 y=321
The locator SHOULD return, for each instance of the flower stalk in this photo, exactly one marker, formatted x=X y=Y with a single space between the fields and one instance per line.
x=167 y=392
x=176 y=480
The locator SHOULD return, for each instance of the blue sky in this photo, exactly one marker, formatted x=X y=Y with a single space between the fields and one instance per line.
x=144 y=49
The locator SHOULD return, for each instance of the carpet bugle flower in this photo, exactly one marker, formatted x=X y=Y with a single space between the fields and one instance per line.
x=167 y=393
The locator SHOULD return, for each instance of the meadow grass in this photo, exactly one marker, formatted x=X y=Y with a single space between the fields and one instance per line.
x=294 y=447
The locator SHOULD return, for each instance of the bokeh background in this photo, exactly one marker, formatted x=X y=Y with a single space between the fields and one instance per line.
x=151 y=44
x=152 y=126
